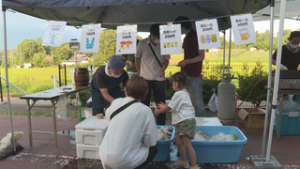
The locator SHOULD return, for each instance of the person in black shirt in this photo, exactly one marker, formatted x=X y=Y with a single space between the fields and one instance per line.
x=105 y=86
x=290 y=57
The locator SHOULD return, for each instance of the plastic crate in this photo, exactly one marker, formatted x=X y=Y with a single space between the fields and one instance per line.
x=290 y=122
x=219 y=151
x=163 y=147
x=87 y=151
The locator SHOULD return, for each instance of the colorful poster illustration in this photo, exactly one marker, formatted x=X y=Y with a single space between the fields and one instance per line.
x=170 y=39
x=90 y=36
x=126 y=39
x=243 y=29
x=208 y=34
x=54 y=33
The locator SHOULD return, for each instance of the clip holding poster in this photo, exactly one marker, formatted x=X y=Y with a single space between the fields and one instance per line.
x=170 y=23
x=91 y=24
x=240 y=14
x=126 y=24
x=205 y=19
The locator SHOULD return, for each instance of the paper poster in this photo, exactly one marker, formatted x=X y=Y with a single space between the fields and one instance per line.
x=54 y=33
x=90 y=36
x=208 y=34
x=170 y=39
x=126 y=39
x=243 y=29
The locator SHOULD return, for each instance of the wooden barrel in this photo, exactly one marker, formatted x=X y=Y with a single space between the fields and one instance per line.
x=81 y=77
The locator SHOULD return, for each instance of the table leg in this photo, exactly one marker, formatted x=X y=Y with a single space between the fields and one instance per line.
x=279 y=118
x=54 y=124
x=29 y=122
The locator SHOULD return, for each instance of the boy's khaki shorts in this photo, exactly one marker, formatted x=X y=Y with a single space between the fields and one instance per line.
x=186 y=128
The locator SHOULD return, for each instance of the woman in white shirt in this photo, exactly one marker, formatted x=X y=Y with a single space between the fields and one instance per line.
x=183 y=116
x=130 y=140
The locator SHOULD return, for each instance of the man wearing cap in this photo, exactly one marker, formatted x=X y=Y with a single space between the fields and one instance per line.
x=290 y=57
x=152 y=69
x=105 y=86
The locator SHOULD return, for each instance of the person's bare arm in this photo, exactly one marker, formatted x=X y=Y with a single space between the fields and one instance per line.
x=131 y=63
x=196 y=59
x=138 y=65
x=125 y=92
x=162 y=108
x=106 y=95
x=164 y=67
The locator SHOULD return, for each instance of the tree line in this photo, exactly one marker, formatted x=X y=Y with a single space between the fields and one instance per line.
x=32 y=51
x=262 y=41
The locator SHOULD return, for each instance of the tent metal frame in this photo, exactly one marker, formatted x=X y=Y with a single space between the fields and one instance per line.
x=276 y=84
x=6 y=75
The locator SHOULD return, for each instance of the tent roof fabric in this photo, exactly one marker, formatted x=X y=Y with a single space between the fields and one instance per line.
x=292 y=10
x=86 y=3
x=112 y=13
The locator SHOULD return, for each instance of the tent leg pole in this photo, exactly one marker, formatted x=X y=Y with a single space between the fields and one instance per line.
x=277 y=75
x=224 y=53
x=229 y=51
x=6 y=75
x=29 y=121
x=75 y=59
x=263 y=150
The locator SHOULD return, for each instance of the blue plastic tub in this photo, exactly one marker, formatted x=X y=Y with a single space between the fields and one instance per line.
x=163 y=147
x=218 y=151
x=290 y=122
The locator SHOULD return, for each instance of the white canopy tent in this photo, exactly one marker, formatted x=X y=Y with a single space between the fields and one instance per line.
x=145 y=12
x=277 y=75
x=276 y=10
x=292 y=7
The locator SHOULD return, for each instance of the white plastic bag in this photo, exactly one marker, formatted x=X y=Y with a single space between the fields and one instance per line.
x=213 y=102
x=61 y=111
x=6 y=146
x=289 y=104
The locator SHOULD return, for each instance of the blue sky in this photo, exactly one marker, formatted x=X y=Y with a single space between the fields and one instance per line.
x=21 y=27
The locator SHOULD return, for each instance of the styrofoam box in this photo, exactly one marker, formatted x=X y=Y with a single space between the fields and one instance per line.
x=219 y=151
x=91 y=131
x=290 y=122
x=163 y=147
x=89 y=137
x=87 y=151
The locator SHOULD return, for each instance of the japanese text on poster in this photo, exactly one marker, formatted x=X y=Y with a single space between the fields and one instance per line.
x=90 y=36
x=243 y=29
x=126 y=39
x=54 y=33
x=208 y=34
x=170 y=39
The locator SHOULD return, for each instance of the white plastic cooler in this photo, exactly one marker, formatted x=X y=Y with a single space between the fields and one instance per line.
x=89 y=135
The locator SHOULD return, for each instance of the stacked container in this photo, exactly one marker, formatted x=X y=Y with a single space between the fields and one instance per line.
x=89 y=135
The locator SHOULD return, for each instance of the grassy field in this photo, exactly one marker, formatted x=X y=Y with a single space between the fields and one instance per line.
x=39 y=79
x=239 y=56
x=31 y=80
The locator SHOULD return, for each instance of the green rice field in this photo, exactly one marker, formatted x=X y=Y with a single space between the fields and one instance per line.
x=39 y=79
